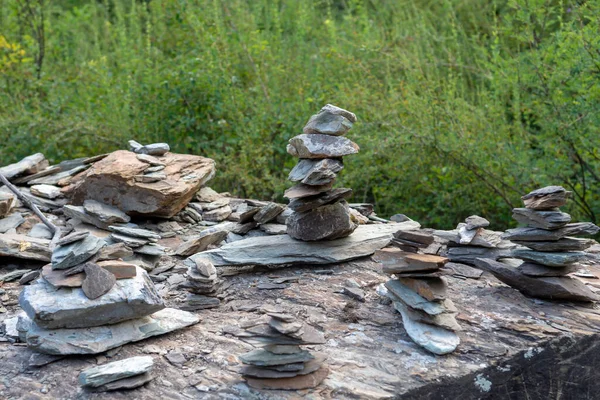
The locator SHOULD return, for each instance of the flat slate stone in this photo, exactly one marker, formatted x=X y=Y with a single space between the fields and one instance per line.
x=425 y=260
x=126 y=383
x=475 y=221
x=554 y=288
x=316 y=172
x=546 y=198
x=78 y=212
x=274 y=229
x=46 y=191
x=201 y=242
x=445 y=320
x=97 y=282
x=301 y=190
x=299 y=382
x=393 y=261
x=72 y=238
x=99 y=339
x=437 y=340
x=135 y=232
x=433 y=289
x=29 y=165
x=541 y=219
x=113 y=371
x=268 y=213
x=416 y=237
x=564 y=244
x=328 y=222
x=53 y=308
x=58 y=278
x=330 y=121
x=263 y=358
x=538 y=270
x=25 y=247
x=413 y=299
x=40 y=231
x=321 y=146
x=11 y=222
x=75 y=253
x=551 y=259
x=105 y=213
x=194 y=302
x=311 y=202
x=261 y=372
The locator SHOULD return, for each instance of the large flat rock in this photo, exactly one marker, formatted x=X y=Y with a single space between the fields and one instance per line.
x=102 y=338
x=112 y=181
x=25 y=247
x=53 y=308
x=282 y=249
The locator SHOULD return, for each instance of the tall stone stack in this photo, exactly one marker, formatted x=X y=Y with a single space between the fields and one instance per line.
x=419 y=293
x=548 y=248
x=321 y=212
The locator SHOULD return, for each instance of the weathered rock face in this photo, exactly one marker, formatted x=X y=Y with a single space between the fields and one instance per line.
x=327 y=222
x=53 y=308
x=108 y=180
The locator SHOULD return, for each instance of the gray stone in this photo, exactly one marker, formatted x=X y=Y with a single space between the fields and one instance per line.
x=154 y=149
x=8 y=329
x=282 y=349
x=413 y=299
x=97 y=282
x=311 y=202
x=76 y=253
x=541 y=219
x=72 y=238
x=133 y=145
x=53 y=308
x=291 y=328
x=39 y=359
x=27 y=166
x=274 y=229
x=207 y=195
x=445 y=320
x=202 y=265
x=550 y=259
x=125 y=384
x=150 y=160
x=128 y=241
x=301 y=190
x=79 y=213
x=434 y=289
x=151 y=177
x=546 y=198
x=54 y=179
x=321 y=146
x=114 y=252
x=354 y=293
x=329 y=122
x=194 y=302
x=282 y=249
x=532 y=269
x=466 y=236
x=270 y=373
x=46 y=191
x=335 y=110
x=283 y=217
x=327 y=222
x=40 y=231
x=11 y=222
x=264 y=358
x=218 y=203
x=475 y=221
x=419 y=237
x=316 y=172
x=105 y=213
x=6 y=203
x=217 y=215
x=201 y=242
x=13 y=275
x=28 y=277
x=556 y=288
x=468 y=254
x=437 y=340
x=564 y=244
x=268 y=213
x=25 y=247
x=135 y=232
x=154 y=169
x=113 y=371
x=99 y=339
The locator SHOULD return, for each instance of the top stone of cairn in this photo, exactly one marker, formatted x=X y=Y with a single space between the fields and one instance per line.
x=330 y=120
x=546 y=198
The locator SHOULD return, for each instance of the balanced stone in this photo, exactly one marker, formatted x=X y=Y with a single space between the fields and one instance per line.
x=541 y=219
x=301 y=190
x=218 y=214
x=328 y=222
x=475 y=221
x=546 y=198
x=27 y=166
x=564 y=244
x=114 y=252
x=72 y=238
x=135 y=232
x=78 y=212
x=533 y=269
x=120 y=269
x=426 y=261
x=269 y=373
x=103 y=374
x=125 y=383
x=46 y=191
x=414 y=300
x=268 y=213
x=150 y=160
x=316 y=171
x=76 y=253
x=105 y=213
x=328 y=124
x=311 y=202
x=69 y=308
x=201 y=242
x=433 y=289
x=542 y=235
x=321 y=146
x=154 y=149
x=97 y=282
x=299 y=382
x=261 y=357
x=99 y=339
x=551 y=259
x=128 y=241
x=445 y=320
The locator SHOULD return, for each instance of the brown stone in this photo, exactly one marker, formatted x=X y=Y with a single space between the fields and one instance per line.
x=97 y=282
x=6 y=203
x=58 y=278
x=112 y=181
x=425 y=260
x=299 y=382
x=432 y=289
x=120 y=269
x=114 y=251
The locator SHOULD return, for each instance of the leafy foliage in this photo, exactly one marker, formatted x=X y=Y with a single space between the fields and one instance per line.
x=463 y=105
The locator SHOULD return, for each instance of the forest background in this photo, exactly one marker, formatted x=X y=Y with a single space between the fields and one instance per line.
x=462 y=105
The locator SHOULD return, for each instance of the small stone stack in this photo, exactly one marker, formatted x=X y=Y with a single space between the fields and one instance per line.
x=141 y=241
x=320 y=212
x=419 y=294
x=202 y=283
x=550 y=252
x=118 y=375
x=281 y=363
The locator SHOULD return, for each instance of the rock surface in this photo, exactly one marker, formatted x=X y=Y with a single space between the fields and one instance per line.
x=108 y=178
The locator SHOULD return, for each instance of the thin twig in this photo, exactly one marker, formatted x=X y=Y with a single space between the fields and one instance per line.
x=25 y=200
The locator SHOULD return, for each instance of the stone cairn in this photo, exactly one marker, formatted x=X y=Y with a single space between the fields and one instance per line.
x=320 y=212
x=202 y=283
x=419 y=293
x=281 y=364
x=547 y=247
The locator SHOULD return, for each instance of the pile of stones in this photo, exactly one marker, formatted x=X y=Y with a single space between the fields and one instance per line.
x=320 y=212
x=281 y=363
x=547 y=247
x=202 y=283
x=419 y=293
x=125 y=374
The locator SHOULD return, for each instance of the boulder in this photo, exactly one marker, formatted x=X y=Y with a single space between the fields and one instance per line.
x=111 y=181
x=327 y=222
x=53 y=308
x=99 y=339
x=321 y=146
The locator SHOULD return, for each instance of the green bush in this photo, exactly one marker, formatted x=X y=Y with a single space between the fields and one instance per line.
x=463 y=105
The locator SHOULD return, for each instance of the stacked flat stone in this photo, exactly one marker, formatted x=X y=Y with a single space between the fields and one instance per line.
x=549 y=246
x=281 y=363
x=419 y=294
x=321 y=212
x=202 y=283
